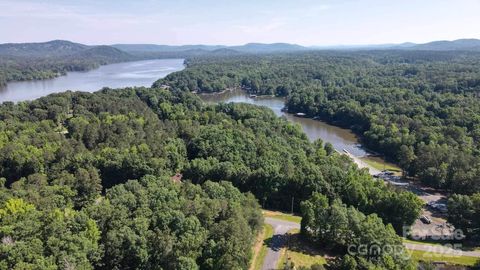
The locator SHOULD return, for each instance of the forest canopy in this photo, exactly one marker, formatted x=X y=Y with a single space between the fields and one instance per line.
x=417 y=108
x=86 y=180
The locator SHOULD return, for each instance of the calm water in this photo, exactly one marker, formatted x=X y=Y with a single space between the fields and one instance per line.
x=340 y=138
x=144 y=73
x=139 y=73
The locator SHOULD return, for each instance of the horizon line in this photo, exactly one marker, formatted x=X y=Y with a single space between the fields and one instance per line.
x=252 y=42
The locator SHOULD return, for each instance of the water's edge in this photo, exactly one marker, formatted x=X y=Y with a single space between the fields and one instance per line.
x=119 y=75
x=342 y=139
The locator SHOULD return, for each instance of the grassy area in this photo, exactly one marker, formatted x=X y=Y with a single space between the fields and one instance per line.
x=426 y=256
x=422 y=242
x=300 y=252
x=300 y=259
x=282 y=216
x=381 y=165
x=259 y=258
x=436 y=243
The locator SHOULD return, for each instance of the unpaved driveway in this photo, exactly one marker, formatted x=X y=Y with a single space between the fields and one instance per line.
x=280 y=228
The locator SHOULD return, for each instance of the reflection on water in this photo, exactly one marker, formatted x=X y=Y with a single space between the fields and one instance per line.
x=139 y=73
x=144 y=73
x=340 y=138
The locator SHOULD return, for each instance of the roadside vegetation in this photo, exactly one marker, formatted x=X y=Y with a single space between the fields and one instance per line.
x=424 y=256
x=262 y=248
x=300 y=253
x=282 y=216
x=333 y=225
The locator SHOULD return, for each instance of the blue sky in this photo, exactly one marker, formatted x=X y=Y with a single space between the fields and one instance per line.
x=306 y=22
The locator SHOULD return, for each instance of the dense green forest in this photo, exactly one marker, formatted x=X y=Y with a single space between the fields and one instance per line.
x=36 y=61
x=86 y=178
x=417 y=108
x=464 y=213
x=24 y=69
x=86 y=182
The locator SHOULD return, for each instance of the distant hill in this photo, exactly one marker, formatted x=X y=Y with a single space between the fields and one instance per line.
x=104 y=54
x=224 y=51
x=63 y=49
x=46 y=60
x=187 y=50
x=165 y=48
x=43 y=49
x=268 y=48
x=444 y=45
x=127 y=52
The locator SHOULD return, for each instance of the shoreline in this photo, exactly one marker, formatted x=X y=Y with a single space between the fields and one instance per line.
x=361 y=164
x=358 y=159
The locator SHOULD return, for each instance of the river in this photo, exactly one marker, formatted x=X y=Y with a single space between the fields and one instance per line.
x=144 y=73
x=340 y=138
x=138 y=73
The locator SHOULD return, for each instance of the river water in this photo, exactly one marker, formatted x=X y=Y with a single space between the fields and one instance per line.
x=138 y=73
x=144 y=73
x=340 y=138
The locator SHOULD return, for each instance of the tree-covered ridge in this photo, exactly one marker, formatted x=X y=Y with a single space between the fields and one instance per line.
x=37 y=61
x=419 y=108
x=25 y=69
x=70 y=156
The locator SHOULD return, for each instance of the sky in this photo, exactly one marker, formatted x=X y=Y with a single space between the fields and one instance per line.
x=229 y=22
